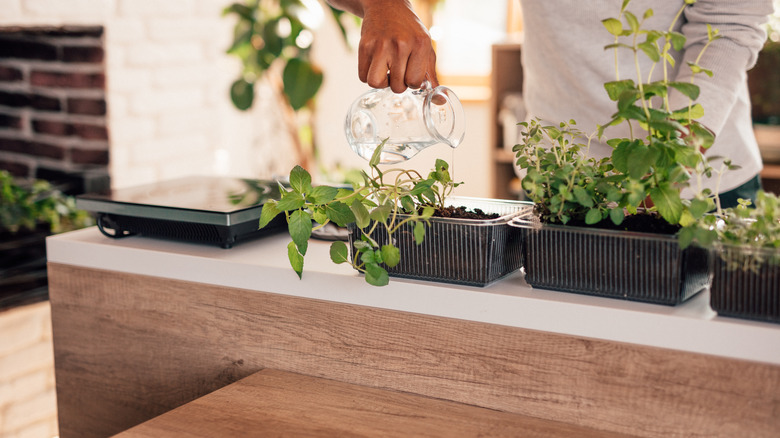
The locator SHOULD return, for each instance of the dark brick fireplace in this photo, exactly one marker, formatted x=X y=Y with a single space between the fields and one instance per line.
x=53 y=105
x=53 y=127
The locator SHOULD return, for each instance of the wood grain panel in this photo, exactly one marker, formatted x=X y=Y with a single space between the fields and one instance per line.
x=129 y=347
x=272 y=403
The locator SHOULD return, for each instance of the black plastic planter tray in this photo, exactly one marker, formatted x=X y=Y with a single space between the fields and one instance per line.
x=459 y=251
x=749 y=293
x=616 y=264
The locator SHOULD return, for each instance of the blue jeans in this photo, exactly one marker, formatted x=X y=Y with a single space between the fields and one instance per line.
x=745 y=191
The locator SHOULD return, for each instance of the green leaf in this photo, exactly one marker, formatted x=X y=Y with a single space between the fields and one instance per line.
x=666 y=126
x=422 y=187
x=637 y=163
x=340 y=213
x=667 y=200
x=300 y=227
x=301 y=82
x=419 y=232
x=274 y=43
x=583 y=197
x=300 y=180
x=650 y=50
x=677 y=39
x=290 y=201
x=381 y=213
x=696 y=112
x=371 y=256
x=318 y=214
x=648 y=13
x=391 y=255
x=376 y=157
x=617 y=215
x=700 y=137
x=339 y=252
x=593 y=216
x=686 y=88
x=242 y=10
x=242 y=93
x=627 y=99
x=268 y=213
x=323 y=194
x=376 y=275
x=296 y=259
x=613 y=25
x=685 y=237
x=699 y=207
x=616 y=88
x=632 y=21
x=360 y=211
x=620 y=156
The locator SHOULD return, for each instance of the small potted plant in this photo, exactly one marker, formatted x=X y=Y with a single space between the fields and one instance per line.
x=609 y=227
x=403 y=224
x=30 y=210
x=746 y=265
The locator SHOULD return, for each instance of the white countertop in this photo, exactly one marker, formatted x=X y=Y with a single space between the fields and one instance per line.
x=262 y=265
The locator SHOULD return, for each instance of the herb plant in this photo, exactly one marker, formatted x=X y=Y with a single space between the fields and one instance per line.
x=392 y=199
x=749 y=233
x=25 y=206
x=646 y=171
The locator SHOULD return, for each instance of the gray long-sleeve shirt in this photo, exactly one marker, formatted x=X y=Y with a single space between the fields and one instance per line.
x=565 y=66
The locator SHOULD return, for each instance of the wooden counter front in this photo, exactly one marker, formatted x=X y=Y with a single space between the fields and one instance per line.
x=129 y=347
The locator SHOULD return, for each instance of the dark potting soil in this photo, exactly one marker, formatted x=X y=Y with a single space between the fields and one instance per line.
x=464 y=213
x=644 y=223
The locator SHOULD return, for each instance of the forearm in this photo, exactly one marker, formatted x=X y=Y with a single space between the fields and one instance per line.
x=358 y=7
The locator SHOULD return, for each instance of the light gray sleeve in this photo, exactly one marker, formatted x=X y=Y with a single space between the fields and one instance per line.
x=740 y=23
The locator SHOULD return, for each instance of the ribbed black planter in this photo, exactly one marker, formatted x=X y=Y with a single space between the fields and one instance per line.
x=458 y=251
x=23 y=278
x=616 y=264
x=746 y=285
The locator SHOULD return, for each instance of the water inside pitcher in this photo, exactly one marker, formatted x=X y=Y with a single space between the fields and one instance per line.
x=410 y=121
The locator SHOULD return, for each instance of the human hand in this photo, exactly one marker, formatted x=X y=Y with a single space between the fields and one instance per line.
x=395 y=48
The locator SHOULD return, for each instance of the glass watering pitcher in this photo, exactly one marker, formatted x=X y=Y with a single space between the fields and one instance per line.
x=410 y=121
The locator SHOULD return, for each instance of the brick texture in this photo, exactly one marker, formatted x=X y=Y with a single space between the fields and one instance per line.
x=15 y=168
x=92 y=107
x=61 y=104
x=16 y=48
x=28 y=403
x=32 y=100
x=52 y=127
x=82 y=54
x=32 y=148
x=89 y=156
x=10 y=74
x=10 y=121
x=54 y=79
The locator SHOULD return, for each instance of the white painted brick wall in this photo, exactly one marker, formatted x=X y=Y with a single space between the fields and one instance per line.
x=28 y=403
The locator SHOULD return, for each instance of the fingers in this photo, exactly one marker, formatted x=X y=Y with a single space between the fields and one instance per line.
x=397 y=67
x=395 y=50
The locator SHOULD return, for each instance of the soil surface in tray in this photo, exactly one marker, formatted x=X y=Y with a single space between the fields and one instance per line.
x=464 y=213
x=645 y=223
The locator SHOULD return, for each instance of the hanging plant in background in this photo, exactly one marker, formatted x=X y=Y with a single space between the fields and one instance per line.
x=273 y=39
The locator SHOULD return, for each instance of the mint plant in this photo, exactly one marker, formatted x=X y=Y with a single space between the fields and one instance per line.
x=646 y=171
x=391 y=199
